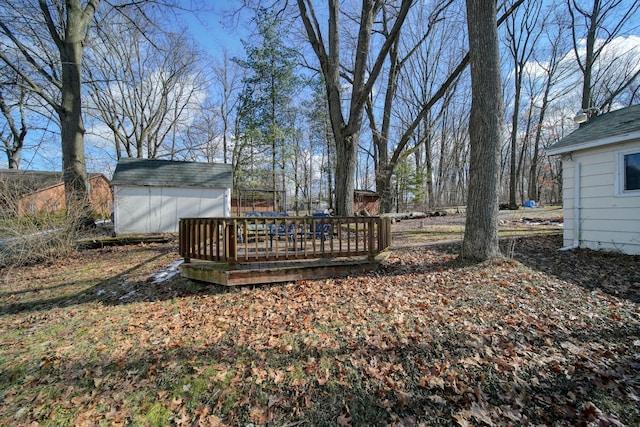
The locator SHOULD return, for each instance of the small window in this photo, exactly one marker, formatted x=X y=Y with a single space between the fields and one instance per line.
x=627 y=182
x=631 y=172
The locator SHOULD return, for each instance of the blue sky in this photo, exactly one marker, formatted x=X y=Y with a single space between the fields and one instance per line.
x=213 y=29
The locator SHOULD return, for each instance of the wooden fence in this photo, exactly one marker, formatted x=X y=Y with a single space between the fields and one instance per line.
x=260 y=239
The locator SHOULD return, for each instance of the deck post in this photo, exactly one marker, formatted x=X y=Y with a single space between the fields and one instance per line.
x=371 y=228
x=231 y=253
x=184 y=242
x=384 y=233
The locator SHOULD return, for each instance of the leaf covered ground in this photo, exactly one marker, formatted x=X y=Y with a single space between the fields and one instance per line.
x=539 y=338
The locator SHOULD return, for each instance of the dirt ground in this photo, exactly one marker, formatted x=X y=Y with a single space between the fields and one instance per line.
x=450 y=228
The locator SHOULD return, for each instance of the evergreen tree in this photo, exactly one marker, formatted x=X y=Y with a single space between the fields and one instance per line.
x=269 y=88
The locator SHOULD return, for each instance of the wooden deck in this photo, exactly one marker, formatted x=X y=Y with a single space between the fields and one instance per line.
x=248 y=250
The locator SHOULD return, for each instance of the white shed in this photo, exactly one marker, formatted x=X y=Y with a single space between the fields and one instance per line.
x=601 y=182
x=150 y=196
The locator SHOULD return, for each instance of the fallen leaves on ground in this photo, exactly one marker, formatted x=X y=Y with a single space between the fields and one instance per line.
x=543 y=338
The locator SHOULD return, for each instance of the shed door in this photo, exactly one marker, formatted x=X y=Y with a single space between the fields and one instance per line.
x=158 y=209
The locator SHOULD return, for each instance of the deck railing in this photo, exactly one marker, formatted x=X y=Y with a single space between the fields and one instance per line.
x=252 y=239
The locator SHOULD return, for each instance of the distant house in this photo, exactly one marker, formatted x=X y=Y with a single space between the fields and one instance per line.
x=150 y=196
x=601 y=182
x=34 y=192
x=256 y=200
x=365 y=200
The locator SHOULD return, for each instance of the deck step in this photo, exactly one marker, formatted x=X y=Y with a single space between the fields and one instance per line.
x=278 y=271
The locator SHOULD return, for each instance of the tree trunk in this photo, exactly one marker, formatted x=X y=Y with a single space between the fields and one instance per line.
x=71 y=125
x=533 y=171
x=14 y=141
x=590 y=56
x=384 y=190
x=514 y=140
x=481 y=228
x=13 y=159
x=346 y=155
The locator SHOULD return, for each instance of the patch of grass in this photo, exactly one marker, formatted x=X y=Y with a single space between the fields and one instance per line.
x=608 y=404
x=61 y=415
x=157 y=415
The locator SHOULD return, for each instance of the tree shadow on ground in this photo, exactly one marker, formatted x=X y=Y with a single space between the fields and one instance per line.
x=609 y=272
x=114 y=290
x=612 y=273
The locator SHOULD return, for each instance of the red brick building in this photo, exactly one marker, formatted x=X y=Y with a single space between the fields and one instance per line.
x=27 y=193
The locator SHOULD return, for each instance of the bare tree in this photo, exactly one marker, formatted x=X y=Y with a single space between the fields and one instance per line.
x=326 y=46
x=598 y=25
x=146 y=87
x=481 y=227
x=631 y=94
x=66 y=23
x=452 y=148
x=523 y=32
x=618 y=69
x=385 y=159
x=14 y=131
x=432 y=88
x=227 y=76
x=203 y=137
x=553 y=74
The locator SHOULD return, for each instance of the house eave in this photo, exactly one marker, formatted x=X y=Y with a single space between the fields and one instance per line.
x=594 y=143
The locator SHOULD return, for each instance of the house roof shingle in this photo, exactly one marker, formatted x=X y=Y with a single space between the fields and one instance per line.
x=609 y=128
x=171 y=173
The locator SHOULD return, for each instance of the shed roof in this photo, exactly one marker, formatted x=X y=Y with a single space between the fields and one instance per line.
x=171 y=173
x=609 y=128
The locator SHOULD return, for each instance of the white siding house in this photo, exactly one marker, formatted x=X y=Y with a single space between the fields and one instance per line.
x=601 y=182
x=150 y=196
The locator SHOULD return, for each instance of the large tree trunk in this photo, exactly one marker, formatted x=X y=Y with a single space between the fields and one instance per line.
x=383 y=188
x=70 y=113
x=13 y=157
x=67 y=23
x=481 y=228
x=14 y=162
x=346 y=155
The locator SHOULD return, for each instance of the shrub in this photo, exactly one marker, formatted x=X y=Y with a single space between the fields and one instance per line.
x=39 y=238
